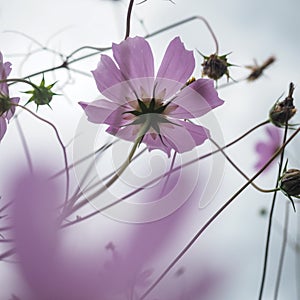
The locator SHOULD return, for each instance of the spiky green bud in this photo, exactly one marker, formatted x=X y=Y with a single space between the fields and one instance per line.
x=41 y=95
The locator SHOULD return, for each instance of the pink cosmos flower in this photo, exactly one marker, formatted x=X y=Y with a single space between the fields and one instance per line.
x=51 y=268
x=7 y=110
x=136 y=97
x=266 y=149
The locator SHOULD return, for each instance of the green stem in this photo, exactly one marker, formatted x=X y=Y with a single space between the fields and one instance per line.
x=120 y=171
x=210 y=221
x=240 y=171
x=175 y=169
x=59 y=141
x=266 y=256
x=13 y=80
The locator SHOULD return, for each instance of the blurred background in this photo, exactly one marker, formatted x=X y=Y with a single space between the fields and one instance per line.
x=38 y=35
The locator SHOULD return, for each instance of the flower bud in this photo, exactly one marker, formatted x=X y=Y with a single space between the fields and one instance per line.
x=290 y=182
x=215 y=66
x=42 y=94
x=284 y=110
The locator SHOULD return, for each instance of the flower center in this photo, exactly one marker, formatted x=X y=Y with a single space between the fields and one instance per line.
x=5 y=104
x=150 y=112
x=148 y=107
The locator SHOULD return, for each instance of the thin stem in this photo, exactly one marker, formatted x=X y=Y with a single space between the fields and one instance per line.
x=60 y=142
x=169 y=174
x=66 y=63
x=88 y=216
x=206 y=225
x=101 y=149
x=120 y=171
x=271 y=218
x=202 y=156
x=239 y=170
x=128 y=19
x=14 y=80
x=99 y=49
x=7 y=253
x=297 y=252
x=6 y=241
x=5 y=228
x=25 y=145
x=4 y=207
x=187 y=21
x=75 y=196
x=283 y=248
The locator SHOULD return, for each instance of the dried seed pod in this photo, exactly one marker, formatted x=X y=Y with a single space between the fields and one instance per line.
x=290 y=182
x=215 y=66
x=284 y=110
x=257 y=70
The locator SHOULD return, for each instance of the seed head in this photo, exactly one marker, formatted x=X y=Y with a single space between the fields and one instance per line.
x=284 y=110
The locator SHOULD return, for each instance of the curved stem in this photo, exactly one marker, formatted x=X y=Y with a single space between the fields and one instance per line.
x=239 y=170
x=128 y=19
x=264 y=272
x=14 y=80
x=120 y=171
x=187 y=20
x=206 y=225
x=283 y=248
x=60 y=142
x=25 y=145
x=297 y=262
x=202 y=156
x=169 y=174
x=7 y=253
x=88 y=216
x=66 y=63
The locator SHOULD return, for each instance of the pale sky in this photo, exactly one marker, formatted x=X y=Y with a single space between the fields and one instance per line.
x=249 y=29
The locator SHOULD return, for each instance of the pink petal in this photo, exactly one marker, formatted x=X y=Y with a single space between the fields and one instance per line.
x=3 y=127
x=275 y=134
x=99 y=111
x=195 y=100
x=35 y=230
x=177 y=66
x=178 y=63
x=184 y=136
x=5 y=69
x=266 y=149
x=134 y=57
x=107 y=74
x=11 y=112
x=153 y=141
x=131 y=132
x=128 y=133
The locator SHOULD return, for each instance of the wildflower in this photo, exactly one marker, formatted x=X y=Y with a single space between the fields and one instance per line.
x=51 y=268
x=266 y=149
x=137 y=98
x=7 y=104
x=283 y=111
x=41 y=95
x=215 y=66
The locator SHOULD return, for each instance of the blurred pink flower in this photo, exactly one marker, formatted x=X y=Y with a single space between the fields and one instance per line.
x=6 y=109
x=122 y=272
x=265 y=149
x=164 y=103
x=130 y=269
